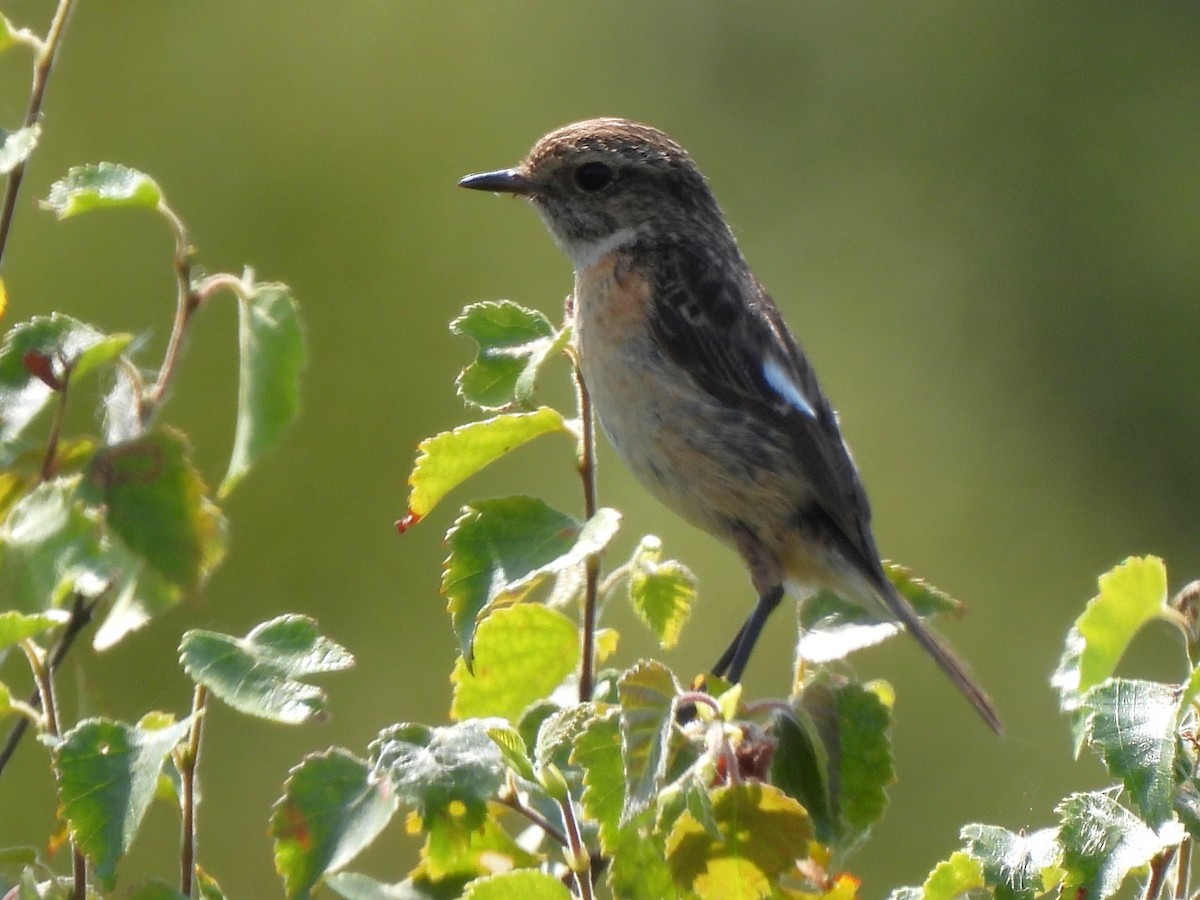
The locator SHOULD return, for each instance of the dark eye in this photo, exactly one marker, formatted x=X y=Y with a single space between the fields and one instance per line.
x=593 y=176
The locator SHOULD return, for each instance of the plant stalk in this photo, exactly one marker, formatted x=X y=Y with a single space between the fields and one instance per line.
x=43 y=63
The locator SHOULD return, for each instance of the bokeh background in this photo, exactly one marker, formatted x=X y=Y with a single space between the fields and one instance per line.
x=982 y=220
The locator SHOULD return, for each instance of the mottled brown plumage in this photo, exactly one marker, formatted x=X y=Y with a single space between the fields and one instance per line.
x=698 y=382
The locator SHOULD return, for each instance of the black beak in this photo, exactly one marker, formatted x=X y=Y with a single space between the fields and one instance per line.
x=504 y=181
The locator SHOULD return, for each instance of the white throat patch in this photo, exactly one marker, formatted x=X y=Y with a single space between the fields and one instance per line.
x=585 y=254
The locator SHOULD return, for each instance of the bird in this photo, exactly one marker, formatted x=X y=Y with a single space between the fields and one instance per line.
x=698 y=382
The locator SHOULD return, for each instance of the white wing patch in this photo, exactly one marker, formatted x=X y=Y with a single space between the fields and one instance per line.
x=782 y=384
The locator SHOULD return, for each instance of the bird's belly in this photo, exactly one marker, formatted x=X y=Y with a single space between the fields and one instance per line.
x=707 y=462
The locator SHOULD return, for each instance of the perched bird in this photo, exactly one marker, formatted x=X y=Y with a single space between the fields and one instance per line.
x=698 y=382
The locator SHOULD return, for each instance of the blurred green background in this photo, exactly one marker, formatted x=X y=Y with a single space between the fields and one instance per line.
x=982 y=219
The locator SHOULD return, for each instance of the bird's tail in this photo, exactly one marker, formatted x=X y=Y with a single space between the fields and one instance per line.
x=942 y=655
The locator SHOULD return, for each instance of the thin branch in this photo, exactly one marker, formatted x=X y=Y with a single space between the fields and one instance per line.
x=587 y=473
x=187 y=301
x=43 y=63
x=49 y=461
x=81 y=615
x=1182 y=869
x=514 y=803
x=581 y=860
x=190 y=761
x=1158 y=874
x=43 y=676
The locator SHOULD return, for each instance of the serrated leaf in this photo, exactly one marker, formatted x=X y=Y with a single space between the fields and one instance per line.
x=446 y=460
x=512 y=749
x=639 y=868
x=49 y=546
x=522 y=653
x=953 y=878
x=800 y=768
x=107 y=773
x=1132 y=724
x=1131 y=594
x=598 y=752
x=559 y=731
x=840 y=763
x=18 y=144
x=139 y=592
x=154 y=499
x=662 y=593
x=35 y=359
x=1102 y=842
x=101 y=186
x=501 y=549
x=258 y=674
x=16 y=627
x=271 y=356
x=763 y=833
x=440 y=770
x=832 y=628
x=455 y=850
x=513 y=343
x=519 y=885
x=334 y=805
x=647 y=693
x=1012 y=863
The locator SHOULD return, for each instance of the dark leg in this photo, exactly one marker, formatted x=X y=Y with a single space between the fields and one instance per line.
x=733 y=661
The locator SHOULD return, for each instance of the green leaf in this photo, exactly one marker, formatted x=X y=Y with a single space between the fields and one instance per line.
x=639 y=870
x=1132 y=724
x=512 y=748
x=17 y=144
x=800 y=768
x=101 y=186
x=832 y=628
x=334 y=805
x=522 y=653
x=1132 y=594
x=454 y=850
x=647 y=693
x=763 y=832
x=446 y=460
x=501 y=549
x=258 y=674
x=1102 y=842
x=15 y=626
x=107 y=773
x=154 y=499
x=207 y=886
x=36 y=359
x=559 y=731
x=513 y=343
x=953 y=878
x=437 y=770
x=598 y=752
x=519 y=885
x=271 y=357
x=139 y=593
x=49 y=546
x=1012 y=863
x=662 y=593
x=353 y=886
x=835 y=758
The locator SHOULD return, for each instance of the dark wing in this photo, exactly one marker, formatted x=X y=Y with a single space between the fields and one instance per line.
x=743 y=354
